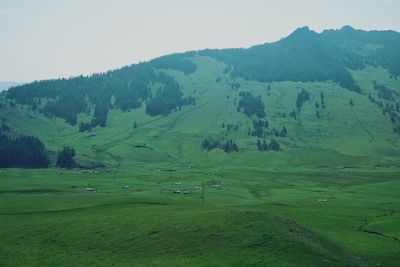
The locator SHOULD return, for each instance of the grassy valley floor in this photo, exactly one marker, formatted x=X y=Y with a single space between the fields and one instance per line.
x=153 y=216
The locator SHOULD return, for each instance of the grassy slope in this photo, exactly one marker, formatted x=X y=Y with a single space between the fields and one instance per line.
x=267 y=212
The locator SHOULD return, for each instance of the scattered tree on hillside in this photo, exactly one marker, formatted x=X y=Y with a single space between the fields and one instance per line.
x=302 y=97
x=293 y=114
x=284 y=131
x=322 y=97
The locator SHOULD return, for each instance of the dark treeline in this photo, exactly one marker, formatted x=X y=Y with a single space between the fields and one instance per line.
x=307 y=56
x=126 y=88
x=227 y=146
x=22 y=152
x=251 y=105
x=272 y=146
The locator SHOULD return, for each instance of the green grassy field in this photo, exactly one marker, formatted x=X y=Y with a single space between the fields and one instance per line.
x=251 y=217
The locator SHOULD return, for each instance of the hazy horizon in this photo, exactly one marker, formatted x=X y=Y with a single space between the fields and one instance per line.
x=53 y=39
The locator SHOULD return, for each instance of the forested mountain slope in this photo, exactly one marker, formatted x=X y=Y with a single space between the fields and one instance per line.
x=314 y=99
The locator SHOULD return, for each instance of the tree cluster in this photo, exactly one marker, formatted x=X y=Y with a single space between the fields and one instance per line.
x=227 y=146
x=65 y=158
x=251 y=105
x=272 y=146
x=168 y=99
x=22 y=152
x=260 y=130
x=259 y=127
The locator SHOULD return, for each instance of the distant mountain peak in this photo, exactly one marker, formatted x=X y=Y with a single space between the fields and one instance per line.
x=347 y=28
x=302 y=31
x=301 y=34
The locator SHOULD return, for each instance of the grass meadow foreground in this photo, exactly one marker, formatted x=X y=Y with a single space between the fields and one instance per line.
x=153 y=216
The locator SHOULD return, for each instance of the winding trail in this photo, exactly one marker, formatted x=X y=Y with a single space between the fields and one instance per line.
x=180 y=116
x=372 y=138
x=364 y=228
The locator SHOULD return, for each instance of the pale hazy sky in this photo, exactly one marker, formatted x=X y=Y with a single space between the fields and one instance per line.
x=42 y=39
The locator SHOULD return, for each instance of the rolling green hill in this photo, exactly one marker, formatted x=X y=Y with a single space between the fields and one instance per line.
x=295 y=146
